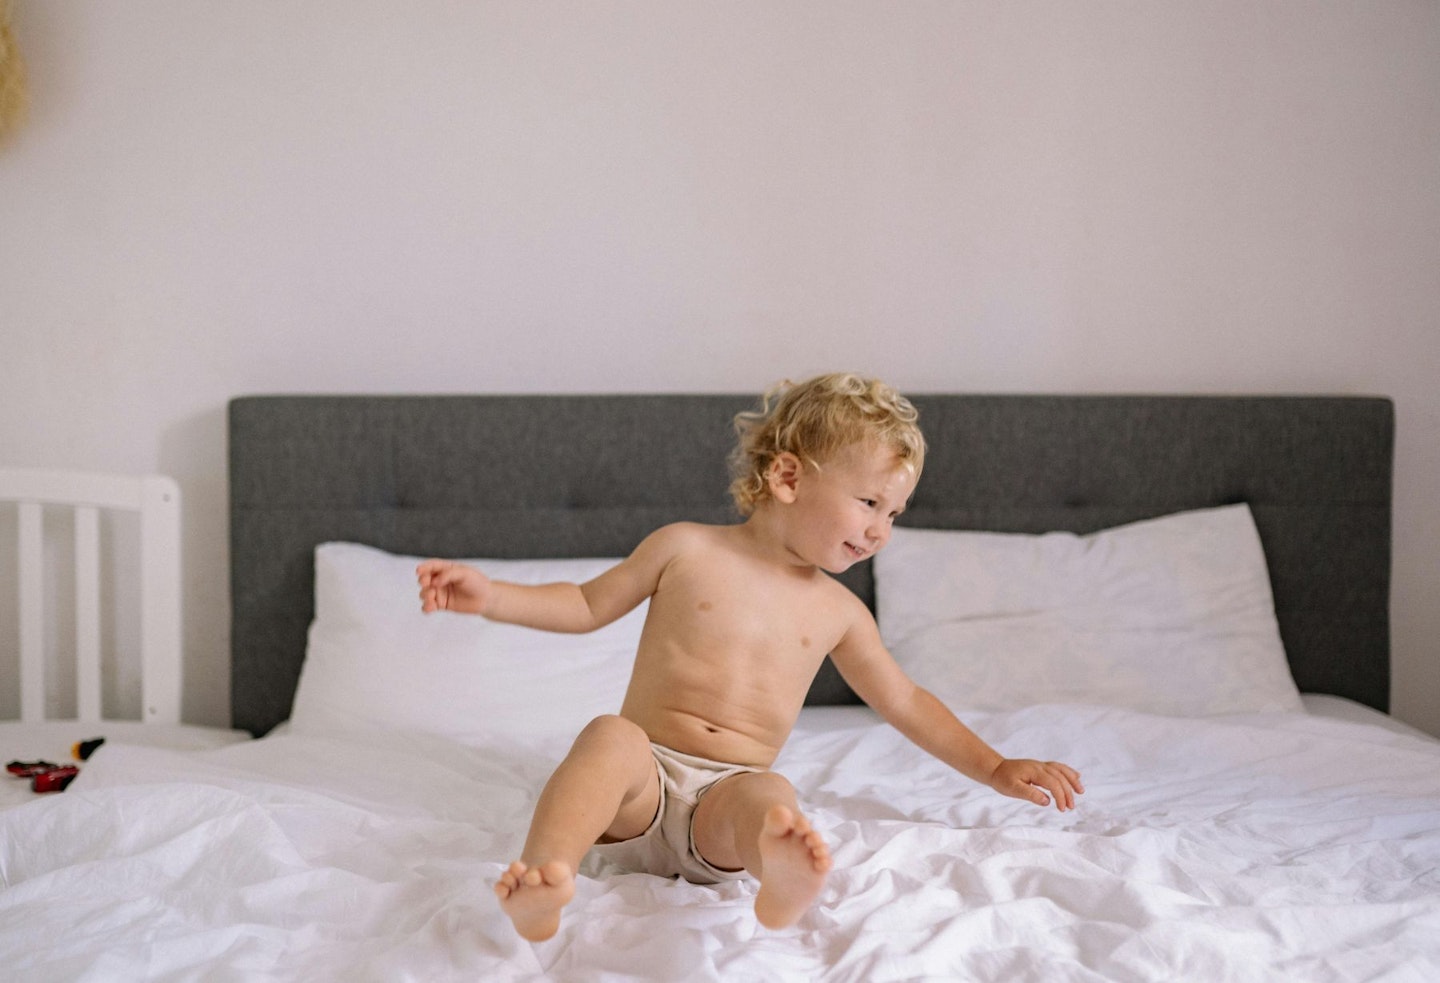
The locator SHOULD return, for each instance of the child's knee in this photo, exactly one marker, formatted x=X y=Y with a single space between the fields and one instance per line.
x=612 y=731
x=756 y=790
x=774 y=787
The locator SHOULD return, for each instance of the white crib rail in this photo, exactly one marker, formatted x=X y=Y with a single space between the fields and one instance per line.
x=157 y=500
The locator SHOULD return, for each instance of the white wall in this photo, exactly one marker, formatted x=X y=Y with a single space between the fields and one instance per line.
x=356 y=195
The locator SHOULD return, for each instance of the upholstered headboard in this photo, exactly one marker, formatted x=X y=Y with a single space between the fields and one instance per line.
x=549 y=476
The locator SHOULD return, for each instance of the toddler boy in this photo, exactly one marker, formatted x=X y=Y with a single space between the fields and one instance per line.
x=741 y=616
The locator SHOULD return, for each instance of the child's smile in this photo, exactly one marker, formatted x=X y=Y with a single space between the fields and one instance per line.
x=853 y=499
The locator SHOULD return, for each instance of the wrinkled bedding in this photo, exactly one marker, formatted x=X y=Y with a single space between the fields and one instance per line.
x=1256 y=847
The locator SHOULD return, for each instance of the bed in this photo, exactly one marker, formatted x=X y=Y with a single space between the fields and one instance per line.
x=1184 y=597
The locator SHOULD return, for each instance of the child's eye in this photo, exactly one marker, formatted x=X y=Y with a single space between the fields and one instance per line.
x=869 y=503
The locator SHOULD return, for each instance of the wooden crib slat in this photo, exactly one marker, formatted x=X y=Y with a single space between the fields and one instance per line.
x=31 y=575
x=160 y=626
x=87 y=613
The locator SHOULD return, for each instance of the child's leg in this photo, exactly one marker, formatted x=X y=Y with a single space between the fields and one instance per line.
x=753 y=821
x=607 y=786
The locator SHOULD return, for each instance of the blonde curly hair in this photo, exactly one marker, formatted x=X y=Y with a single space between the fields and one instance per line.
x=814 y=420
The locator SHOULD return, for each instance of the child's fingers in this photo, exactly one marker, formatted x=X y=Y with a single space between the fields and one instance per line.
x=429 y=569
x=447 y=585
x=1054 y=778
x=449 y=573
x=1063 y=792
x=432 y=577
x=437 y=574
x=1067 y=782
x=1037 y=789
x=1062 y=768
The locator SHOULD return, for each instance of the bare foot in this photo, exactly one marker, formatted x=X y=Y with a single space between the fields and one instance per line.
x=795 y=860
x=533 y=897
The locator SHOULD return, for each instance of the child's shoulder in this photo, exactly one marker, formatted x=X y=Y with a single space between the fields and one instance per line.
x=690 y=534
x=686 y=535
x=695 y=538
x=676 y=540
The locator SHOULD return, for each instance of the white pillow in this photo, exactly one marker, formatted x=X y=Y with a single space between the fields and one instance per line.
x=1171 y=615
x=374 y=660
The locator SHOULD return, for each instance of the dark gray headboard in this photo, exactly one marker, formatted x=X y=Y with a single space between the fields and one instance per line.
x=547 y=476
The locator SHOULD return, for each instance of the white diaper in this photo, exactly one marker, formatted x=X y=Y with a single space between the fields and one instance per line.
x=667 y=848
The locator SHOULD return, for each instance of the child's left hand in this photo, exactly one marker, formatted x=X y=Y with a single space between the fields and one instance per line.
x=1025 y=778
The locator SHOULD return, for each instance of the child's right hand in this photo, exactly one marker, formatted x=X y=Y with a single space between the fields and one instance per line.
x=449 y=586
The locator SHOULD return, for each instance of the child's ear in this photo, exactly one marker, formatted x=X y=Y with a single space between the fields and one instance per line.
x=783 y=475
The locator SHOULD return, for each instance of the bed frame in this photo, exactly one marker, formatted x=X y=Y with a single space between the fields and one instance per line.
x=551 y=476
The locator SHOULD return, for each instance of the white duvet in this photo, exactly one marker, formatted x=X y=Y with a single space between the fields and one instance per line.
x=1280 y=846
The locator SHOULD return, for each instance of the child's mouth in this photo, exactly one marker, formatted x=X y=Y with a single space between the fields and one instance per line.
x=855 y=551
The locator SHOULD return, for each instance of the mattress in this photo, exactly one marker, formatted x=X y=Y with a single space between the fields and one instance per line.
x=1259 y=846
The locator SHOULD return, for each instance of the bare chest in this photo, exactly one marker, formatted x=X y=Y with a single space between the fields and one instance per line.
x=724 y=606
x=726 y=659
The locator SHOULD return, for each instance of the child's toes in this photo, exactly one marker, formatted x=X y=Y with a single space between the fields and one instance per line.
x=510 y=880
x=551 y=873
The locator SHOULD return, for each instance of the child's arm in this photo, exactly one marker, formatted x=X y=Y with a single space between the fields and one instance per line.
x=449 y=586
x=917 y=713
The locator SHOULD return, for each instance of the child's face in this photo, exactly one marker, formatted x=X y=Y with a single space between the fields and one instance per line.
x=844 y=511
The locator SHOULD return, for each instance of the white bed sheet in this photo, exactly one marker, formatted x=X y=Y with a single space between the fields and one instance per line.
x=1280 y=846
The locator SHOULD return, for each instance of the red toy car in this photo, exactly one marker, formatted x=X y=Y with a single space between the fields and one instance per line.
x=55 y=779
x=45 y=776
